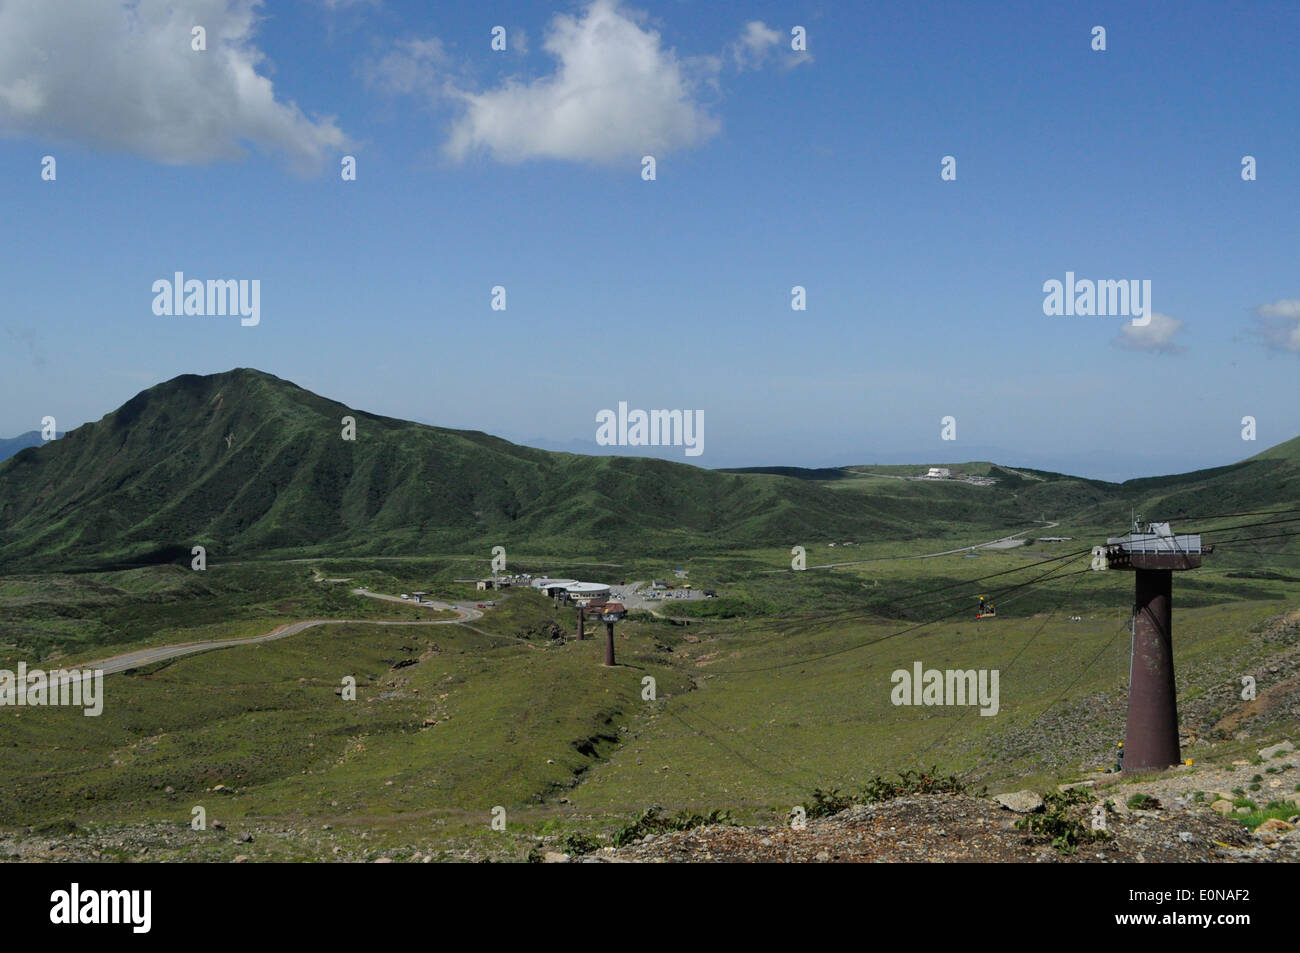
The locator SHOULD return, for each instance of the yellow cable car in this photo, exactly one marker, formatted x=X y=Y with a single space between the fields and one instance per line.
x=986 y=610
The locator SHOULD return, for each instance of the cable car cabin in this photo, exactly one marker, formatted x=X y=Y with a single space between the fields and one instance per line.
x=612 y=612
x=986 y=610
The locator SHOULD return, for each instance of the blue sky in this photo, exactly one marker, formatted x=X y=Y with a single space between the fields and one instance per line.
x=522 y=168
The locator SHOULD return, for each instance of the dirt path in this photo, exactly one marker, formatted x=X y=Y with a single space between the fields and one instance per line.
x=129 y=660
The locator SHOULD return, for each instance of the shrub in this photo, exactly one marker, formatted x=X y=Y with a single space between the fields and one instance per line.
x=1066 y=820
x=652 y=821
x=1143 y=802
x=912 y=782
x=825 y=803
x=575 y=843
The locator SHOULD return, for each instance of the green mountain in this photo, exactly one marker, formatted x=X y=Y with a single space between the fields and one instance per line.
x=1289 y=451
x=251 y=465
x=256 y=465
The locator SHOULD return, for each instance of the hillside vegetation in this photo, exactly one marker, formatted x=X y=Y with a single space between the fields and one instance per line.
x=251 y=465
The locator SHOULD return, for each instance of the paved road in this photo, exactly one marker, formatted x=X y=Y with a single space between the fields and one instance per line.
x=120 y=663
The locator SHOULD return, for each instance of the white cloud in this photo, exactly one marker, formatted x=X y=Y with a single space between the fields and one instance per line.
x=411 y=66
x=616 y=92
x=1287 y=308
x=1157 y=336
x=121 y=74
x=757 y=44
x=1279 y=324
x=756 y=41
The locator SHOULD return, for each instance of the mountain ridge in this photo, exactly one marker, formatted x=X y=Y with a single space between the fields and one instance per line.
x=255 y=465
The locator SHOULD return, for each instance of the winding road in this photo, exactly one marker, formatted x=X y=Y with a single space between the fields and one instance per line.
x=129 y=660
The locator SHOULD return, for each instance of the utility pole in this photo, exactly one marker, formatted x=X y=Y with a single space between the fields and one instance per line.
x=1153 y=553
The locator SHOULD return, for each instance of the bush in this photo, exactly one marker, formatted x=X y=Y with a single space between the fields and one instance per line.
x=652 y=821
x=826 y=803
x=913 y=782
x=1066 y=820
x=1143 y=802
x=575 y=843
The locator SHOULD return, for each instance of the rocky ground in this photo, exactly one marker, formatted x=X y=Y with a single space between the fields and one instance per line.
x=249 y=842
x=945 y=828
x=1194 y=820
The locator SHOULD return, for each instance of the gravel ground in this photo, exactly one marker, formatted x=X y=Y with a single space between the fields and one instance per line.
x=944 y=828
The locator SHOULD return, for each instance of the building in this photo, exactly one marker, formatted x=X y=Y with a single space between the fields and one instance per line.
x=582 y=591
x=938 y=473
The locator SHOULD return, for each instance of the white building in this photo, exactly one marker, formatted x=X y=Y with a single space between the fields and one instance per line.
x=938 y=473
x=581 y=591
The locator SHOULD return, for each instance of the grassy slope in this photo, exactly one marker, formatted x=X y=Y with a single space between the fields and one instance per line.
x=157 y=476
x=523 y=725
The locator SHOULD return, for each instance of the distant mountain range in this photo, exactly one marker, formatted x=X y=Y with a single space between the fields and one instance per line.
x=1110 y=464
x=11 y=445
x=251 y=465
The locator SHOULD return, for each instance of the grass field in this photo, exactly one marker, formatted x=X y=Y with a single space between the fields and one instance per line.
x=781 y=685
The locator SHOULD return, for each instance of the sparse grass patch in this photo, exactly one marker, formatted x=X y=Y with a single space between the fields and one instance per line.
x=1275 y=809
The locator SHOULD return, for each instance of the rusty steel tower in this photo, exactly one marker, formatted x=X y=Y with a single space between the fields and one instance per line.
x=1154 y=554
x=612 y=612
